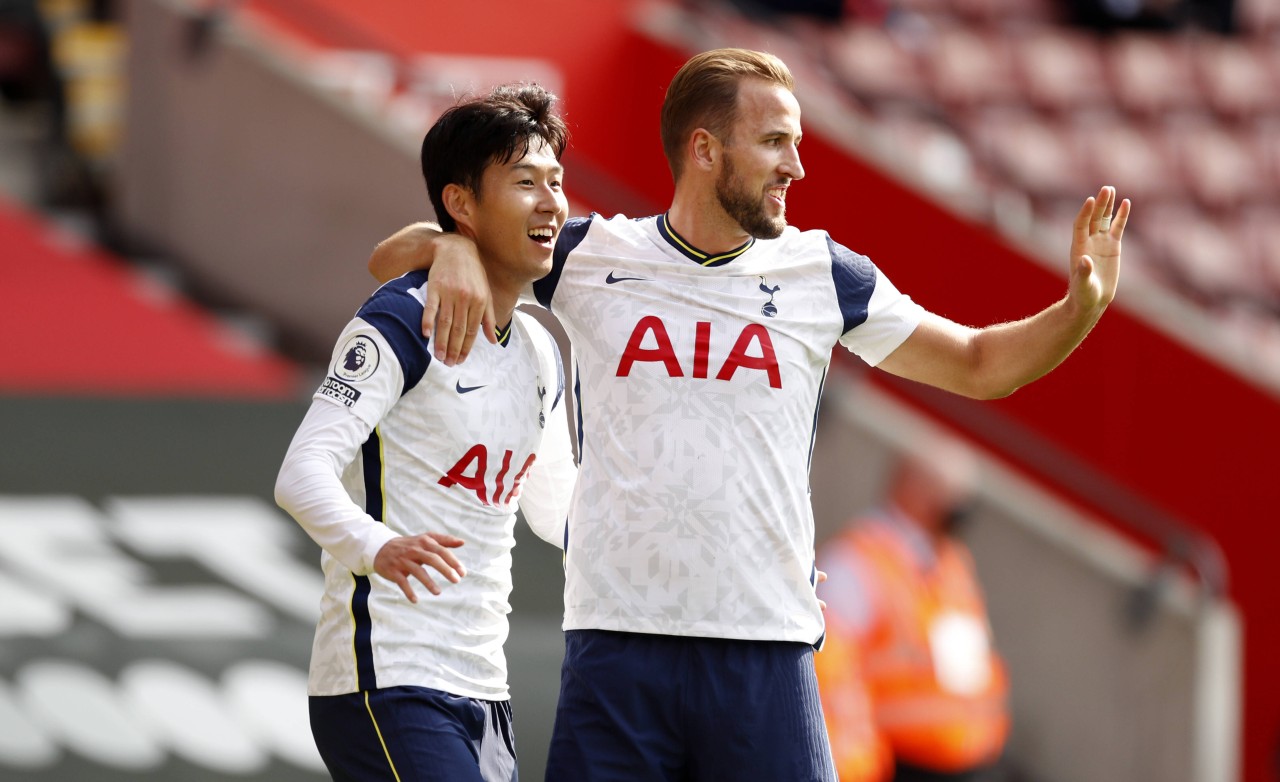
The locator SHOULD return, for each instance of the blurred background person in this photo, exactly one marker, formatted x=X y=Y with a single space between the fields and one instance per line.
x=911 y=685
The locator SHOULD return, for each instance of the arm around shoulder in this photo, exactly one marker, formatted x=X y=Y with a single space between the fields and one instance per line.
x=406 y=250
x=459 y=305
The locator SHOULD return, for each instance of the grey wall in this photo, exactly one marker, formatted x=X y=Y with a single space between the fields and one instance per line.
x=268 y=194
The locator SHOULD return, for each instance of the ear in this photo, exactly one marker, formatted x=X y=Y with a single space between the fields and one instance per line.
x=459 y=202
x=704 y=149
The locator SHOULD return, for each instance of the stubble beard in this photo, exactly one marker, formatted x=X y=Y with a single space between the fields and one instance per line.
x=744 y=207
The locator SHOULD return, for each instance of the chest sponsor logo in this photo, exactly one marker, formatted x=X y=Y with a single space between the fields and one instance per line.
x=471 y=472
x=650 y=342
x=336 y=389
x=357 y=360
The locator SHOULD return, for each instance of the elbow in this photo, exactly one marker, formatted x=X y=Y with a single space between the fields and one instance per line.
x=282 y=494
x=992 y=391
x=284 y=488
x=376 y=263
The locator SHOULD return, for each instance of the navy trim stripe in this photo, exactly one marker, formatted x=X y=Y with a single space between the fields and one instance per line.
x=855 y=280
x=813 y=433
x=366 y=674
x=555 y=348
x=694 y=254
x=571 y=235
x=397 y=315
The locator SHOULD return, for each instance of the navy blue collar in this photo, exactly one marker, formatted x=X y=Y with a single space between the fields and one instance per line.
x=694 y=254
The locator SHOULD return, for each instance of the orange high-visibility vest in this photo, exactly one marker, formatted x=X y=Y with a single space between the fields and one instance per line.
x=938 y=691
x=860 y=753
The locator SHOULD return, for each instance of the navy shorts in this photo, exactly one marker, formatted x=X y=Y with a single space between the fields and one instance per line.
x=655 y=708
x=413 y=734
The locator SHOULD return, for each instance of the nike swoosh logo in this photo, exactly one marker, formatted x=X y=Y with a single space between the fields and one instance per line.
x=610 y=280
x=461 y=389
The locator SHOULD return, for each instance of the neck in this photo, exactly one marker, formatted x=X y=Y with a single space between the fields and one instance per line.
x=504 y=301
x=697 y=216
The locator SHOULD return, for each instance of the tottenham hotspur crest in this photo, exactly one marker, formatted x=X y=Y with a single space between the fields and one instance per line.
x=769 y=309
x=542 y=416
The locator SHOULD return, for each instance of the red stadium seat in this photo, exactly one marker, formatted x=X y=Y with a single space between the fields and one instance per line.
x=1237 y=77
x=875 y=67
x=1031 y=153
x=1152 y=73
x=1207 y=258
x=1118 y=151
x=930 y=151
x=1260 y=228
x=1063 y=70
x=1218 y=165
x=971 y=70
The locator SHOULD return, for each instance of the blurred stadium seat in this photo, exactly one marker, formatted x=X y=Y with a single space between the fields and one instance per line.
x=1152 y=74
x=1237 y=77
x=875 y=67
x=971 y=68
x=1063 y=70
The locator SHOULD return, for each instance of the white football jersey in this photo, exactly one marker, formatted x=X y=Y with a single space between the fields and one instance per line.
x=422 y=447
x=698 y=380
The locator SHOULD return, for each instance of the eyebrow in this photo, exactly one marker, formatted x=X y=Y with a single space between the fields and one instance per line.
x=556 y=169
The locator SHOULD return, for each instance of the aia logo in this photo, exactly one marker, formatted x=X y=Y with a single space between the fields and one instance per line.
x=357 y=359
x=471 y=472
x=753 y=350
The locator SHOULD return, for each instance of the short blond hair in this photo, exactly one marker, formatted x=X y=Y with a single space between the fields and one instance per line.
x=704 y=94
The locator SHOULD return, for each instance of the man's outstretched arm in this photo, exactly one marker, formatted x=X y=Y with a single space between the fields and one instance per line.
x=995 y=361
x=459 y=278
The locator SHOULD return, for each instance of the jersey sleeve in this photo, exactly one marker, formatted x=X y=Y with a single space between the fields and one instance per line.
x=364 y=375
x=544 y=500
x=877 y=317
x=571 y=235
x=549 y=487
x=309 y=487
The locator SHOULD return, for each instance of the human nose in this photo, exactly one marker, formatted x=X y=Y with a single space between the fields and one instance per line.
x=549 y=198
x=791 y=165
x=552 y=201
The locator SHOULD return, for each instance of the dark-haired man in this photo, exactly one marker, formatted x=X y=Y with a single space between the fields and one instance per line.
x=401 y=460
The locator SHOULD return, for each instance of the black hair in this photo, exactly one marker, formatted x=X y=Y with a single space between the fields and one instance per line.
x=476 y=133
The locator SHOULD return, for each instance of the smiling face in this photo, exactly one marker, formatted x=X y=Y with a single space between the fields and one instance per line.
x=760 y=158
x=516 y=216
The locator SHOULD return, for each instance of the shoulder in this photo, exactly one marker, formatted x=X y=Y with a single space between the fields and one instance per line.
x=405 y=296
x=577 y=228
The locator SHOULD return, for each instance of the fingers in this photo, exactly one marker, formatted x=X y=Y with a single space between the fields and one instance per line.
x=451 y=329
x=474 y=316
x=429 y=311
x=405 y=558
x=1083 y=218
x=1102 y=206
x=403 y=583
x=1121 y=219
x=489 y=323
